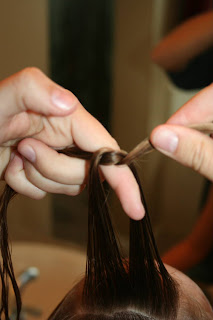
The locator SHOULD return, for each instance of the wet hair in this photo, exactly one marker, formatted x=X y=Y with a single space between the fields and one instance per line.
x=114 y=288
x=137 y=288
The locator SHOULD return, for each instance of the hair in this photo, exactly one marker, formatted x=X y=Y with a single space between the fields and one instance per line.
x=114 y=288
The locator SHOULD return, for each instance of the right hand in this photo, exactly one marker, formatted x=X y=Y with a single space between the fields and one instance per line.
x=187 y=146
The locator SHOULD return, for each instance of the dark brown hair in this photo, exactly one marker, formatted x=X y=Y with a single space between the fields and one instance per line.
x=113 y=288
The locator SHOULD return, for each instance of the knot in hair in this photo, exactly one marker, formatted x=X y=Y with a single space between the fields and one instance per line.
x=107 y=156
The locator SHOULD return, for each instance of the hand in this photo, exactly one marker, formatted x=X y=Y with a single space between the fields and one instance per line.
x=36 y=167
x=28 y=99
x=189 y=147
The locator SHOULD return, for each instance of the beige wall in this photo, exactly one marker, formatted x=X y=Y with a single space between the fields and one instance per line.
x=131 y=71
x=24 y=35
x=143 y=98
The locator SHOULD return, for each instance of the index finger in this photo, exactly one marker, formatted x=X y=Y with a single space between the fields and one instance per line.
x=90 y=135
x=122 y=181
x=196 y=110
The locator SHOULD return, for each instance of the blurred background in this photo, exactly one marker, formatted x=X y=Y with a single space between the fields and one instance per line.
x=101 y=51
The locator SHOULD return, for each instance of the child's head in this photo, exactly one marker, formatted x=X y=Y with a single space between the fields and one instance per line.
x=193 y=305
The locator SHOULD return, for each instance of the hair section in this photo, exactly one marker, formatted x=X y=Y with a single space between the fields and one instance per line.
x=140 y=288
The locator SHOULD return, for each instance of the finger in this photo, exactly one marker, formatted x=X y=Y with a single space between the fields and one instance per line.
x=187 y=146
x=90 y=135
x=31 y=90
x=198 y=109
x=53 y=165
x=48 y=185
x=121 y=179
x=65 y=170
x=16 y=179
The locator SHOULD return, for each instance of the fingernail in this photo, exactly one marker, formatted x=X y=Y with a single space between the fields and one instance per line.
x=63 y=99
x=28 y=153
x=165 y=140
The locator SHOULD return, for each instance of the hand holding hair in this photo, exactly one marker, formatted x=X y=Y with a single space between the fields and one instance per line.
x=187 y=146
x=33 y=106
x=58 y=173
x=113 y=287
x=142 y=288
x=44 y=117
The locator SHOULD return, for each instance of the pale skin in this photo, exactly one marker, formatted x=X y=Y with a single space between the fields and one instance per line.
x=37 y=117
x=187 y=146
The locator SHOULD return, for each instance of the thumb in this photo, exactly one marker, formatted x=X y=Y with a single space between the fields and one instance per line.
x=31 y=90
x=189 y=147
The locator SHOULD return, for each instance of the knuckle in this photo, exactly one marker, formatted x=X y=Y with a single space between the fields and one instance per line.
x=28 y=76
x=38 y=195
x=30 y=73
x=198 y=157
x=47 y=171
x=25 y=80
x=72 y=194
x=11 y=173
x=38 y=169
x=29 y=170
x=73 y=191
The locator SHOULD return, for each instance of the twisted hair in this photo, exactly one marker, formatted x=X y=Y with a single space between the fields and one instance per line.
x=113 y=288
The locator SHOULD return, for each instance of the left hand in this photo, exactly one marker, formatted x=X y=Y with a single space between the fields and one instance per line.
x=42 y=169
